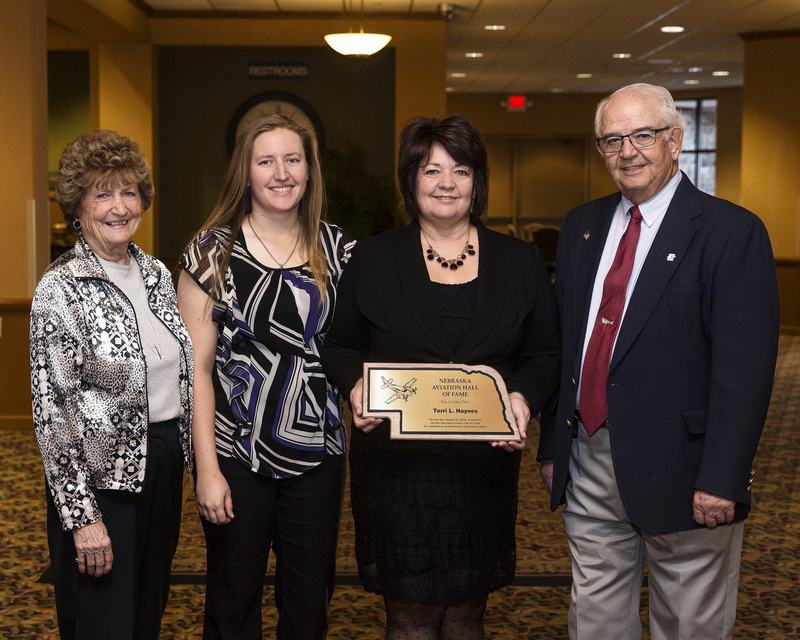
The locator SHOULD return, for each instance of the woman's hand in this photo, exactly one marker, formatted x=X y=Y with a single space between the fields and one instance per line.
x=214 y=500
x=522 y=415
x=357 y=405
x=93 y=547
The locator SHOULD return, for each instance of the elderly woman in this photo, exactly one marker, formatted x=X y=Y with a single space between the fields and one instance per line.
x=111 y=371
x=257 y=290
x=434 y=520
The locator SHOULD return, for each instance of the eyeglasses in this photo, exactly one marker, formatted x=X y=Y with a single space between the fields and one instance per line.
x=639 y=139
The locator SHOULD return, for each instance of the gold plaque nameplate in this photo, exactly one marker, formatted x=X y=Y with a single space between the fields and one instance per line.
x=439 y=401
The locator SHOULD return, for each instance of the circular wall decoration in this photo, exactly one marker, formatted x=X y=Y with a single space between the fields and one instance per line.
x=273 y=103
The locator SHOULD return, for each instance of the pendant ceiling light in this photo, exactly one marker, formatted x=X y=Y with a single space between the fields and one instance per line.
x=357 y=44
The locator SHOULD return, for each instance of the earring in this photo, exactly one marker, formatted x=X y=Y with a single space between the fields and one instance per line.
x=76 y=224
x=472 y=206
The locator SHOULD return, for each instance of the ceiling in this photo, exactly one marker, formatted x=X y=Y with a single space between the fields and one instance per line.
x=546 y=44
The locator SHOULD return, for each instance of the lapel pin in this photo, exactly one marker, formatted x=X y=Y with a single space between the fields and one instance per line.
x=670 y=257
x=586 y=236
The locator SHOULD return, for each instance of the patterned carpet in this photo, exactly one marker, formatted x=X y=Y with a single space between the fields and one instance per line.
x=533 y=608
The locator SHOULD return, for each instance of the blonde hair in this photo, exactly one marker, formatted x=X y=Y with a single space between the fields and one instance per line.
x=235 y=200
x=102 y=158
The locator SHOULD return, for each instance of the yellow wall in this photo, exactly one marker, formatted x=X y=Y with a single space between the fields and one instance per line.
x=770 y=136
x=125 y=99
x=24 y=243
x=770 y=162
x=24 y=206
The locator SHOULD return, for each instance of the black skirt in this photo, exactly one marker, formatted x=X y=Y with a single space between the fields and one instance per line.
x=436 y=529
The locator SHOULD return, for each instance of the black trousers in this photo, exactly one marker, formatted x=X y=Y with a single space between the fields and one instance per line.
x=299 y=518
x=128 y=602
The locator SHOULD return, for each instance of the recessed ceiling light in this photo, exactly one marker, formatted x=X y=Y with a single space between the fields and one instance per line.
x=695 y=69
x=691 y=82
x=720 y=74
x=458 y=75
x=494 y=27
x=672 y=29
x=473 y=54
x=621 y=56
x=584 y=75
x=557 y=90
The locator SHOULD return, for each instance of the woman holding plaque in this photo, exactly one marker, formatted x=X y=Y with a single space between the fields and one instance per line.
x=435 y=519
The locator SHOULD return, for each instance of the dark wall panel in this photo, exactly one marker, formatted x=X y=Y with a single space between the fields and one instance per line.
x=199 y=90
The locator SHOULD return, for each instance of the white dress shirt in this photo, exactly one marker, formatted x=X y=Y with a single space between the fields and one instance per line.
x=652 y=215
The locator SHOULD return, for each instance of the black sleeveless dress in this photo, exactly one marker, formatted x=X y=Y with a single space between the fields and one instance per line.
x=436 y=528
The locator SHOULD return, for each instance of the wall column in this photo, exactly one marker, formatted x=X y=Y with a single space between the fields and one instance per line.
x=125 y=96
x=24 y=205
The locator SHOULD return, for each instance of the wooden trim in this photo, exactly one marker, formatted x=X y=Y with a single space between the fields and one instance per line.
x=769 y=35
x=787 y=262
x=16 y=423
x=231 y=14
x=15 y=304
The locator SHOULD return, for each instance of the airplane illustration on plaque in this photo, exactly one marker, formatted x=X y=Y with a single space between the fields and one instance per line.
x=400 y=391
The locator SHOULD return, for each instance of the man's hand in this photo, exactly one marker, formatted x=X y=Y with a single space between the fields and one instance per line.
x=711 y=510
x=546 y=472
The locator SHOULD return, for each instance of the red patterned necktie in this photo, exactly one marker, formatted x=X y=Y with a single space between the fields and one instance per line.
x=594 y=407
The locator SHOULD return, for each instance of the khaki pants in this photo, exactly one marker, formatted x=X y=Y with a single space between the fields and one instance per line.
x=692 y=575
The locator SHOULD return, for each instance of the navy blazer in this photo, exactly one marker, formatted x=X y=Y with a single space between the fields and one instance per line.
x=386 y=312
x=691 y=374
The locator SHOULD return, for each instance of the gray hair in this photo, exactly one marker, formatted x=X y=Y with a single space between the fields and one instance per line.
x=670 y=116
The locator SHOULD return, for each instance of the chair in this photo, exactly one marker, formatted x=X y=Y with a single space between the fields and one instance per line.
x=545 y=237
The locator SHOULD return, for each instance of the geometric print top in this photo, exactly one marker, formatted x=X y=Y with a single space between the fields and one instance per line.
x=276 y=412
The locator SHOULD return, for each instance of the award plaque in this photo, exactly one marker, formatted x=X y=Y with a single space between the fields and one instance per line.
x=439 y=401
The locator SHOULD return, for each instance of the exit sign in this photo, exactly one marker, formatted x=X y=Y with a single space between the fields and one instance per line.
x=517 y=103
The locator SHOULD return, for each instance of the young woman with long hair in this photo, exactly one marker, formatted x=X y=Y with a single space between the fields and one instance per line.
x=257 y=290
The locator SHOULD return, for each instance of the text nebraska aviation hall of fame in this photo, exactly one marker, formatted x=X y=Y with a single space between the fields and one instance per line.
x=439 y=401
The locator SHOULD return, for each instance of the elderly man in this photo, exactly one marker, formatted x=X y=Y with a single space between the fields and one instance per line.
x=669 y=315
